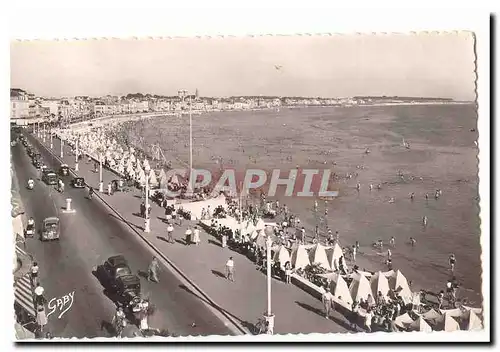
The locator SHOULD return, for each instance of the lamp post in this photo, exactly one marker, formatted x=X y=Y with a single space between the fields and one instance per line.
x=62 y=147
x=147 y=228
x=101 y=184
x=44 y=133
x=182 y=95
x=269 y=316
x=76 y=154
x=51 y=142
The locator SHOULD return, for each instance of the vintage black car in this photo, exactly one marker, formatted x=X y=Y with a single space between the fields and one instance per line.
x=50 y=229
x=64 y=170
x=49 y=177
x=117 y=275
x=78 y=182
x=29 y=151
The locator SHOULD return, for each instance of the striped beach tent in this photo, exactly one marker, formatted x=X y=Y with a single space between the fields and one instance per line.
x=339 y=288
x=473 y=322
x=300 y=259
x=23 y=291
x=403 y=321
x=379 y=283
x=420 y=325
x=317 y=255
x=360 y=288
x=333 y=254
x=282 y=256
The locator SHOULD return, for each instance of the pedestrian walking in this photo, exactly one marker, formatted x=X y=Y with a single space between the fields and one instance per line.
x=224 y=239
x=288 y=272
x=327 y=300
x=354 y=251
x=230 y=269
x=153 y=270
x=170 y=233
x=188 y=234
x=110 y=189
x=196 y=235
x=34 y=274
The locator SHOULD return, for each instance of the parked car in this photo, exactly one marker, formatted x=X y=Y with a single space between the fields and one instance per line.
x=78 y=182
x=50 y=229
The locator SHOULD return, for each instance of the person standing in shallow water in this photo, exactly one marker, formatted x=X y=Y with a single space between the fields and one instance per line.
x=451 y=262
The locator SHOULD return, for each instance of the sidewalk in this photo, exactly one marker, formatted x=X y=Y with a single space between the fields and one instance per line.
x=245 y=299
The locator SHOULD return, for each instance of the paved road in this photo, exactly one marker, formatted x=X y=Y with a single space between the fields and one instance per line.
x=88 y=238
x=296 y=311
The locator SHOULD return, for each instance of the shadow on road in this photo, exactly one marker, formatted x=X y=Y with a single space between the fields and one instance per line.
x=108 y=327
x=161 y=238
x=215 y=243
x=218 y=273
x=320 y=312
x=245 y=324
x=127 y=222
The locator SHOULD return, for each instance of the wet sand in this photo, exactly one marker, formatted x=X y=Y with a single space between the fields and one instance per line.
x=442 y=155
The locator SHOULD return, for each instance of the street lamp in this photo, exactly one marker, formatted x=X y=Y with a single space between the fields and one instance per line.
x=76 y=154
x=44 y=134
x=101 y=184
x=182 y=95
x=62 y=147
x=269 y=316
x=51 y=143
x=147 y=228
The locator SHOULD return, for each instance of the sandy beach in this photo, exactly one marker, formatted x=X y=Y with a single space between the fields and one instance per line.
x=442 y=155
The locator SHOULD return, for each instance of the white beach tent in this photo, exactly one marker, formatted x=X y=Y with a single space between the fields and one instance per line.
x=141 y=177
x=455 y=312
x=333 y=254
x=338 y=288
x=379 y=283
x=473 y=322
x=403 y=321
x=317 y=255
x=300 y=259
x=162 y=178
x=152 y=178
x=398 y=282
x=420 y=325
x=447 y=323
x=432 y=316
x=282 y=256
x=360 y=288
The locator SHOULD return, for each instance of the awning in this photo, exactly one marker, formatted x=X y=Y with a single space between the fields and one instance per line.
x=23 y=291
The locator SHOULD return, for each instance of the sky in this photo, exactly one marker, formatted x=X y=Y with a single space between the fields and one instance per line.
x=423 y=65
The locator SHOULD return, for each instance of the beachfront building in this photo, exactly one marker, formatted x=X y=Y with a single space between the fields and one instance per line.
x=19 y=104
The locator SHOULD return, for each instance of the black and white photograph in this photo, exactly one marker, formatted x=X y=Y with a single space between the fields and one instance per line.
x=246 y=185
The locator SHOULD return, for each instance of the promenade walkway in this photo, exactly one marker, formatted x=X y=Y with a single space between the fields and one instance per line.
x=245 y=299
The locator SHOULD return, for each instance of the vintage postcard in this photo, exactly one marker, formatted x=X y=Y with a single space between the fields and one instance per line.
x=252 y=185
